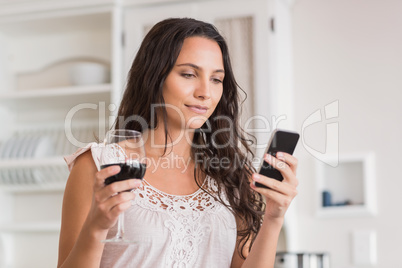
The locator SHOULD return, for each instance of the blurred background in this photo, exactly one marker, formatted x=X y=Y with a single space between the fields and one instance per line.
x=330 y=70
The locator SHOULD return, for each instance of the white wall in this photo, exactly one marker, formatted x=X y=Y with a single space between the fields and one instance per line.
x=351 y=51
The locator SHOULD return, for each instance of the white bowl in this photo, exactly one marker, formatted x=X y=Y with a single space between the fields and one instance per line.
x=89 y=73
x=44 y=147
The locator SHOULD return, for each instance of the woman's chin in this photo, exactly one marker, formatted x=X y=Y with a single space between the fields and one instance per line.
x=196 y=124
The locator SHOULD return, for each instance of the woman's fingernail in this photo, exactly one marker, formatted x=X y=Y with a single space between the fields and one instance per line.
x=268 y=157
x=280 y=156
x=256 y=177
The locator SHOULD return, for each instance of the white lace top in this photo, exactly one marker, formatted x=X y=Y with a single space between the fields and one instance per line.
x=180 y=231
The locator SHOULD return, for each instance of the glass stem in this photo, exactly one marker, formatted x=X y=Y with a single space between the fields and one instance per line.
x=120 y=226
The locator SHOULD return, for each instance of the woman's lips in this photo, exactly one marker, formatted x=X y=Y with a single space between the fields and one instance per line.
x=197 y=109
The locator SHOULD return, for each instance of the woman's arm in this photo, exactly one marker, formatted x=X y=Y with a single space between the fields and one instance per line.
x=278 y=199
x=89 y=210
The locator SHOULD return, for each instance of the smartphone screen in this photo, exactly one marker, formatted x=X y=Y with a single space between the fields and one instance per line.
x=281 y=141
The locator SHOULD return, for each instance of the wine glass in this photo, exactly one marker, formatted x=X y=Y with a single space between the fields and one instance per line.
x=124 y=148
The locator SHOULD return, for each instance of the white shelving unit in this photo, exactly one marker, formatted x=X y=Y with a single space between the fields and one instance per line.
x=41 y=106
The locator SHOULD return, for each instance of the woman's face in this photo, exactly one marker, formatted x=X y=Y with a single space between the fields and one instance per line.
x=194 y=87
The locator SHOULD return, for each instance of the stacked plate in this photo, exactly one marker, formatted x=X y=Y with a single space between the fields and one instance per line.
x=34 y=175
x=22 y=155
x=27 y=146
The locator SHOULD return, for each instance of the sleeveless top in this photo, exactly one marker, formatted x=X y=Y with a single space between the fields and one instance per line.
x=171 y=231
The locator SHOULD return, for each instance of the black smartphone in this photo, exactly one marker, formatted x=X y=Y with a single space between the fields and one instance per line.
x=280 y=141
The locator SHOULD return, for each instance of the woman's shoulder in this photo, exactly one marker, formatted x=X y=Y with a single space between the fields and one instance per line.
x=82 y=172
x=84 y=160
x=90 y=154
x=83 y=166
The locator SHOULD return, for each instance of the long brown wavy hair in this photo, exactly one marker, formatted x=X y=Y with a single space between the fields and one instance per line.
x=154 y=60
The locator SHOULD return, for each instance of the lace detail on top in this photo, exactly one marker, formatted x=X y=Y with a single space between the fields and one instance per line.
x=190 y=231
x=187 y=230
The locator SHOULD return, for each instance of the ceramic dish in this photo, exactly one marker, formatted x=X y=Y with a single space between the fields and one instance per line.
x=8 y=146
x=30 y=150
x=22 y=153
x=44 y=147
x=16 y=145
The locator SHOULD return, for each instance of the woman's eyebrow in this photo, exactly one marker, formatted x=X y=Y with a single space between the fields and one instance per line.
x=199 y=68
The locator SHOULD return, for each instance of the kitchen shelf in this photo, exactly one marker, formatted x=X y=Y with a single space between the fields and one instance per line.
x=33 y=175
x=56 y=92
x=347 y=188
x=50 y=187
x=31 y=227
x=344 y=211
x=32 y=162
x=29 y=22
x=55 y=97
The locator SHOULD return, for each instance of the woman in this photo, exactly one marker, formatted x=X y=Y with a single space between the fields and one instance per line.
x=197 y=205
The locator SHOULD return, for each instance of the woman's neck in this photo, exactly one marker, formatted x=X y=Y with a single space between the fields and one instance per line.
x=177 y=143
x=175 y=160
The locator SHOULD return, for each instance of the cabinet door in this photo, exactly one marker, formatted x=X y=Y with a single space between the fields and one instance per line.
x=258 y=53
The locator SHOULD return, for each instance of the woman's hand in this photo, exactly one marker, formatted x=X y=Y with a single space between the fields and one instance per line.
x=111 y=200
x=280 y=194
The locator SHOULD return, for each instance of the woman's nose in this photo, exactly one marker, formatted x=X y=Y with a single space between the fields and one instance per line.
x=203 y=90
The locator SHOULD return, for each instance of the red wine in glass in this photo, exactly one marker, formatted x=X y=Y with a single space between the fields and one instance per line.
x=133 y=170
x=124 y=148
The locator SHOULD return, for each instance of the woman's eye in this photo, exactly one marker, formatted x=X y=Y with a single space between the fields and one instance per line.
x=216 y=80
x=187 y=75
